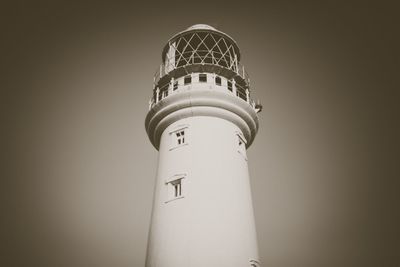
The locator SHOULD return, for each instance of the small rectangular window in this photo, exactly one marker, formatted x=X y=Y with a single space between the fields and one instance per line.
x=187 y=80
x=202 y=77
x=175 y=85
x=241 y=143
x=230 y=86
x=180 y=137
x=218 y=80
x=175 y=187
x=241 y=94
x=159 y=95
x=254 y=263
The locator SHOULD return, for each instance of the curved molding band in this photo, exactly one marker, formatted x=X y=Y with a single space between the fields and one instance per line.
x=201 y=102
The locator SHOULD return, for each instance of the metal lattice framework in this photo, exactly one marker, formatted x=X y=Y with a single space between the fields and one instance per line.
x=202 y=48
x=211 y=50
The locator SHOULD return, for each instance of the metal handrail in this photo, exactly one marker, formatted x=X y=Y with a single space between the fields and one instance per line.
x=169 y=85
x=167 y=67
x=167 y=90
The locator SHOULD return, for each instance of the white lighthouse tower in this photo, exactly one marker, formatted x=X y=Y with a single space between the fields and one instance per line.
x=201 y=119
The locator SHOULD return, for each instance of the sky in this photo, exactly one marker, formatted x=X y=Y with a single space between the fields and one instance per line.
x=81 y=170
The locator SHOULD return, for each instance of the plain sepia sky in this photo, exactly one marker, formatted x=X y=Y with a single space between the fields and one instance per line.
x=81 y=169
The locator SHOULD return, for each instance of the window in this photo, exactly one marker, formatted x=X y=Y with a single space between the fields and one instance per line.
x=175 y=85
x=241 y=94
x=254 y=263
x=202 y=77
x=187 y=80
x=175 y=187
x=241 y=142
x=180 y=137
x=217 y=80
x=159 y=94
x=230 y=86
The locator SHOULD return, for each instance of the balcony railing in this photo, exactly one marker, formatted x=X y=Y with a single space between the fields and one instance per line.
x=167 y=90
x=211 y=59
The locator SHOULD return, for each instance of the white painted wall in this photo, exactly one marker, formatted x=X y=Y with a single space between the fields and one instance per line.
x=213 y=224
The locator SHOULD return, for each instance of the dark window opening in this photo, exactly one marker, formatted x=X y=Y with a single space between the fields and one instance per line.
x=241 y=142
x=177 y=188
x=175 y=85
x=218 y=80
x=254 y=263
x=230 y=86
x=174 y=189
x=241 y=94
x=159 y=94
x=241 y=145
x=180 y=137
x=202 y=78
x=187 y=80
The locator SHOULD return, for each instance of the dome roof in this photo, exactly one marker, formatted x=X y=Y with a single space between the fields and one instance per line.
x=201 y=27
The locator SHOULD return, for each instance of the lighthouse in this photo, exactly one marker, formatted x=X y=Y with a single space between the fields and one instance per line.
x=202 y=120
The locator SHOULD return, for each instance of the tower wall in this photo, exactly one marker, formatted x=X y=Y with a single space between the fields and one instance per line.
x=211 y=223
x=202 y=119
